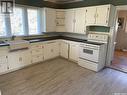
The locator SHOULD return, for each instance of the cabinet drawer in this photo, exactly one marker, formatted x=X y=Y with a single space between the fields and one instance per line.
x=3 y=68
x=36 y=59
x=37 y=46
x=36 y=52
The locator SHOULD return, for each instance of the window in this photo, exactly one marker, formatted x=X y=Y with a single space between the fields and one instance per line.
x=24 y=21
x=17 y=22
x=2 y=26
x=32 y=21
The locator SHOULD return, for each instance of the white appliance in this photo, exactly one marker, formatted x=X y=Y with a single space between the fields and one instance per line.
x=93 y=53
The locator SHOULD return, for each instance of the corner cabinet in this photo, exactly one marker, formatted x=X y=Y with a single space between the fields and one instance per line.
x=100 y=15
x=64 y=49
x=51 y=50
x=60 y=20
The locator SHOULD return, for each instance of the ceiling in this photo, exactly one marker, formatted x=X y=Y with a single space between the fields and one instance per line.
x=63 y=1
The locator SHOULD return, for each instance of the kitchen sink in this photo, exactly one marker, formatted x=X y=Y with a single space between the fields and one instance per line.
x=2 y=42
x=18 y=45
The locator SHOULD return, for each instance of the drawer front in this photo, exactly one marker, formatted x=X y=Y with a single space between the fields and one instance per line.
x=89 y=65
x=36 y=52
x=37 y=46
x=36 y=59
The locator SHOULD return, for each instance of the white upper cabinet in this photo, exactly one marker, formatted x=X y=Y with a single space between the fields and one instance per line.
x=60 y=20
x=90 y=15
x=69 y=20
x=80 y=20
x=100 y=15
x=50 y=19
x=60 y=13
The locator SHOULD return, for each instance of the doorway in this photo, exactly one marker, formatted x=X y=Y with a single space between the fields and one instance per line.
x=120 y=55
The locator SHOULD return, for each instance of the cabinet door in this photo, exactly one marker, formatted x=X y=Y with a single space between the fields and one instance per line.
x=3 y=67
x=74 y=52
x=26 y=57
x=69 y=20
x=51 y=50
x=102 y=15
x=55 y=48
x=50 y=20
x=3 y=59
x=47 y=51
x=14 y=60
x=64 y=49
x=90 y=15
x=80 y=20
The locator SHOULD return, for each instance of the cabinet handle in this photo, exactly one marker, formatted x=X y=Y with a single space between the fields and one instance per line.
x=51 y=50
x=97 y=15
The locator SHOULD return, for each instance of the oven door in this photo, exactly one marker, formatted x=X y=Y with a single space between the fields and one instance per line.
x=89 y=53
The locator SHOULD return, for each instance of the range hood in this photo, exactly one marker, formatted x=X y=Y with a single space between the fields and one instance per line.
x=63 y=1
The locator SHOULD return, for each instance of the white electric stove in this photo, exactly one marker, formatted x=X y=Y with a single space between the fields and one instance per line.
x=93 y=53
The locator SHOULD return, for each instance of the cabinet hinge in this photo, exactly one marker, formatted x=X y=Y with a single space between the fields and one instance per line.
x=86 y=10
x=8 y=68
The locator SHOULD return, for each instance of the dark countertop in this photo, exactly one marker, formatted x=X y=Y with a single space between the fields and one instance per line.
x=64 y=38
x=4 y=44
x=55 y=38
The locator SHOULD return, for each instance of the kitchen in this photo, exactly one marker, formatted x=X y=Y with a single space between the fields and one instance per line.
x=44 y=43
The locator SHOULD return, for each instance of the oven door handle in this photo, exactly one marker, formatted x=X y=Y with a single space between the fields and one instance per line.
x=90 y=48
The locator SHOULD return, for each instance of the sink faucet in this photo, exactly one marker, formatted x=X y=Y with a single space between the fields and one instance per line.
x=13 y=37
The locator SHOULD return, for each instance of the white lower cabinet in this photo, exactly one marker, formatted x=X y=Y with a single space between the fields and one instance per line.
x=64 y=49
x=74 y=52
x=37 y=52
x=19 y=59
x=3 y=60
x=3 y=68
x=51 y=50
x=3 y=63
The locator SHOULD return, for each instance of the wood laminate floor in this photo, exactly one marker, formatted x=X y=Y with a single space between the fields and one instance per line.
x=62 y=77
x=120 y=60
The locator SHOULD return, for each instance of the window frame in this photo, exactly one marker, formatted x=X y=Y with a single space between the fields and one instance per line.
x=22 y=22
x=24 y=8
